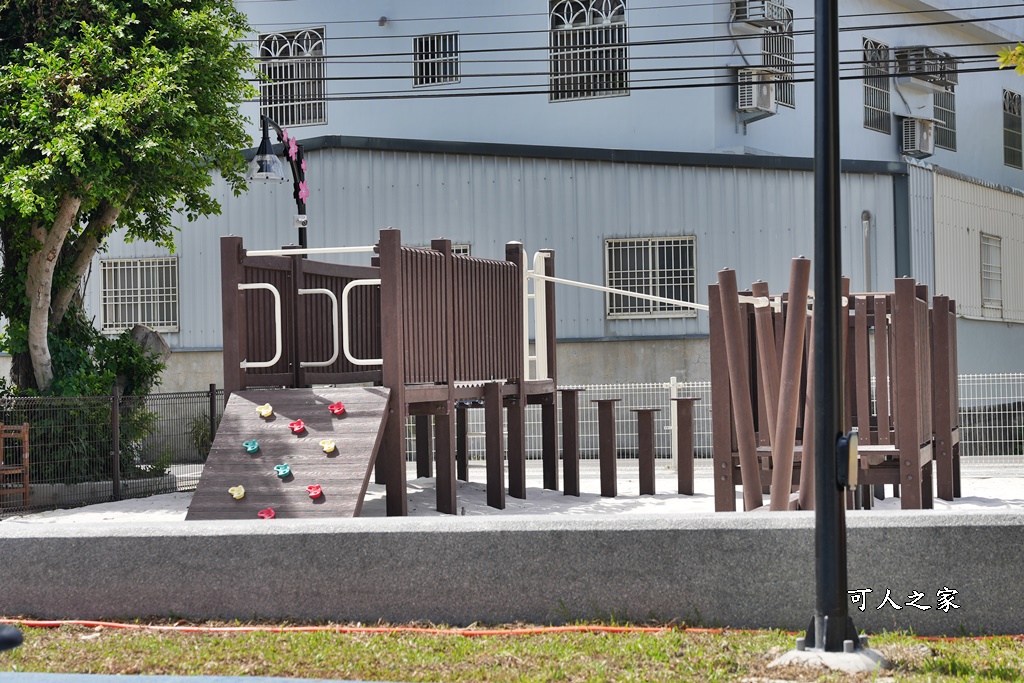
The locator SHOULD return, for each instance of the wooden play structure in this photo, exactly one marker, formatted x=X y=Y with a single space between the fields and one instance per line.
x=899 y=356
x=14 y=462
x=431 y=329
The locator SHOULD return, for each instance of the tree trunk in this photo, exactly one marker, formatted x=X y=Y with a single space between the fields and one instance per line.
x=85 y=248
x=39 y=284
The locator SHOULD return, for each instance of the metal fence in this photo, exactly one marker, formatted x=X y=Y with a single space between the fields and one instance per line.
x=991 y=415
x=162 y=440
x=85 y=450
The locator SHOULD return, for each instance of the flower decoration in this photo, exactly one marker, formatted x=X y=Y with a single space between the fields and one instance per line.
x=314 y=490
x=336 y=408
x=251 y=446
x=303 y=165
x=266 y=514
x=284 y=135
x=237 y=492
x=282 y=470
x=293 y=149
x=265 y=410
x=297 y=427
x=303 y=191
x=327 y=445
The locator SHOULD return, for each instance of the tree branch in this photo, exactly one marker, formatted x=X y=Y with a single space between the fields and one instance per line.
x=85 y=248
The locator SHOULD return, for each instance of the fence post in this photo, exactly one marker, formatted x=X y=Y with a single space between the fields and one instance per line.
x=673 y=421
x=213 y=413
x=115 y=440
x=571 y=440
x=645 y=450
x=683 y=443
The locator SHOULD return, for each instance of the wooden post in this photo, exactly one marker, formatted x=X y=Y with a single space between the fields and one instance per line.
x=516 y=413
x=571 y=440
x=444 y=421
x=645 y=450
x=232 y=305
x=721 y=408
x=462 y=441
x=606 y=445
x=942 y=396
x=739 y=383
x=684 y=443
x=444 y=446
x=392 y=451
x=494 y=445
x=548 y=412
x=423 y=454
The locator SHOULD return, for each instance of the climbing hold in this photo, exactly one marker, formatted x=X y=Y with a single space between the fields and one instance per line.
x=251 y=446
x=337 y=408
x=298 y=426
x=265 y=410
x=327 y=445
x=266 y=514
x=282 y=470
x=238 y=492
x=314 y=490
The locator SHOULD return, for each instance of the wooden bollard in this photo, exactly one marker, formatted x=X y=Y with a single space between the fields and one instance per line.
x=684 y=444
x=571 y=439
x=645 y=450
x=606 y=445
x=494 y=439
x=461 y=442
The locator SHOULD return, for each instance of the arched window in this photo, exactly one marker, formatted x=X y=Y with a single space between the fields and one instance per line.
x=780 y=54
x=588 y=50
x=294 y=93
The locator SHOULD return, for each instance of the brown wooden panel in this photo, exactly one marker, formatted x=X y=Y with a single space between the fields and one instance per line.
x=343 y=474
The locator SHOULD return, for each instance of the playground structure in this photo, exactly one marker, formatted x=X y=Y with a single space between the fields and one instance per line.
x=899 y=357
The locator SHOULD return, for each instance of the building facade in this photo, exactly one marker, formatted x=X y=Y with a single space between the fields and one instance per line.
x=648 y=143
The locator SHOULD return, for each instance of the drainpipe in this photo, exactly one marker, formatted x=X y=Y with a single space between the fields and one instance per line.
x=865 y=221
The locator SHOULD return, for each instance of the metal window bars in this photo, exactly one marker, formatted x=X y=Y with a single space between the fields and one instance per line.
x=294 y=92
x=139 y=291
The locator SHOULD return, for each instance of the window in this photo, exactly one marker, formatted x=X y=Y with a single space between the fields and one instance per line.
x=435 y=59
x=779 y=54
x=659 y=266
x=991 y=271
x=877 y=113
x=294 y=92
x=945 y=111
x=460 y=249
x=588 y=51
x=139 y=291
x=1011 y=130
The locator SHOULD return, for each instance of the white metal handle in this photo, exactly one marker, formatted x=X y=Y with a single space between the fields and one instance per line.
x=344 y=323
x=334 y=316
x=277 y=325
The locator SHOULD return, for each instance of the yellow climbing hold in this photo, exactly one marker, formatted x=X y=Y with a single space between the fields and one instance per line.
x=327 y=445
x=265 y=410
x=237 y=492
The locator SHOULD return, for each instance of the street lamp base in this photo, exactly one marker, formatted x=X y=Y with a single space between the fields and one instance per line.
x=856 y=657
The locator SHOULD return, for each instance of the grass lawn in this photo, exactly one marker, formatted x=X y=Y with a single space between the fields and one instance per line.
x=672 y=654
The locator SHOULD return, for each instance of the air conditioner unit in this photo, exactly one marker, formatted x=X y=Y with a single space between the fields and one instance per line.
x=918 y=137
x=756 y=92
x=759 y=12
x=926 y=65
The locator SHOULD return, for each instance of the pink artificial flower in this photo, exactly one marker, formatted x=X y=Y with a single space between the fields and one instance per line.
x=303 y=165
x=284 y=135
x=303 y=191
x=293 y=149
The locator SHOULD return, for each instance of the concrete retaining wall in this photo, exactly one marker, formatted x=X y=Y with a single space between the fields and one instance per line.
x=739 y=570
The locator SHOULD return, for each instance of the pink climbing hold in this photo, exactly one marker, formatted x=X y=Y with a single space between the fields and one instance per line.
x=314 y=490
x=297 y=427
x=336 y=408
x=266 y=514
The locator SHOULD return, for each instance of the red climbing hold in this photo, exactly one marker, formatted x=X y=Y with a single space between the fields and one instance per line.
x=336 y=408
x=298 y=426
x=266 y=514
x=314 y=490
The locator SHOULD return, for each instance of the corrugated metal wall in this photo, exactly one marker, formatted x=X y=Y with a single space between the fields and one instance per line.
x=750 y=220
x=963 y=211
x=922 y=216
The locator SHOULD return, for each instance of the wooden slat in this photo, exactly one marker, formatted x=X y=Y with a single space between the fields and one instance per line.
x=343 y=474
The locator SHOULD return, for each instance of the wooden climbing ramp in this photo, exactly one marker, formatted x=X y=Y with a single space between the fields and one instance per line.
x=342 y=474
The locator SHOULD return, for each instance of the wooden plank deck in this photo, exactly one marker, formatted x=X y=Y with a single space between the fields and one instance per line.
x=343 y=474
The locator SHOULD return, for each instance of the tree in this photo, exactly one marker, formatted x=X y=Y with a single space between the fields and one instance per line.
x=1012 y=56
x=112 y=113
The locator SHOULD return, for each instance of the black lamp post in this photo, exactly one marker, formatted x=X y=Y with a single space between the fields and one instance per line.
x=266 y=167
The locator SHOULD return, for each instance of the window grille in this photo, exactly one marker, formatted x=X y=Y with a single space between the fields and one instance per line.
x=435 y=59
x=139 y=291
x=877 y=111
x=1012 y=130
x=780 y=54
x=991 y=271
x=945 y=112
x=658 y=266
x=460 y=249
x=295 y=90
x=588 y=52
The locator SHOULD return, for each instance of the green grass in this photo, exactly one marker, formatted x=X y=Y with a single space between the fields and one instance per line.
x=670 y=655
